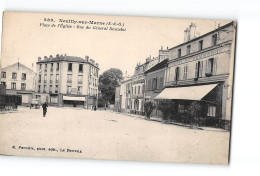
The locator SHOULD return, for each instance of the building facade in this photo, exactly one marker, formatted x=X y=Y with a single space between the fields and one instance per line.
x=19 y=80
x=67 y=81
x=155 y=83
x=200 y=70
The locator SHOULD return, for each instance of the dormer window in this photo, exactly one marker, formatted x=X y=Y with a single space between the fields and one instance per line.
x=70 y=67
x=200 y=45
x=179 y=53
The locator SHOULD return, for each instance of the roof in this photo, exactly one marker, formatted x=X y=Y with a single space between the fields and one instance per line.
x=65 y=58
x=18 y=64
x=197 y=38
x=158 y=66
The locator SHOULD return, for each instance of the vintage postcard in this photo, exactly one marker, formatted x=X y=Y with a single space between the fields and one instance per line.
x=116 y=87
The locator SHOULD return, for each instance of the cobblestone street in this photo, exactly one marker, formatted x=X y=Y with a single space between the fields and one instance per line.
x=108 y=135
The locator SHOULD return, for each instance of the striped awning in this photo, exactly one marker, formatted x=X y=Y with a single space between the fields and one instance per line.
x=74 y=98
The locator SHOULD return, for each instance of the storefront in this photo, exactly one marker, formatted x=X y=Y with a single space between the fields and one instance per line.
x=74 y=101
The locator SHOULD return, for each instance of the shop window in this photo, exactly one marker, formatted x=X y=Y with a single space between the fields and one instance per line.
x=3 y=74
x=181 y=109
x=212 y=111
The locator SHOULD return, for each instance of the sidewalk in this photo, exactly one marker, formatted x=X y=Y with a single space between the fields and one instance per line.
x=156 y=119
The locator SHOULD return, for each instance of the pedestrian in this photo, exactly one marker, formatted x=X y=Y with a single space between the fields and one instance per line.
x=44 y=108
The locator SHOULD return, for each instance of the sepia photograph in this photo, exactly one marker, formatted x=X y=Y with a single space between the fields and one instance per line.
x=145 y=89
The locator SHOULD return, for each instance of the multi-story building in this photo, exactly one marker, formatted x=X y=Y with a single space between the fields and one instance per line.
x=200 y=69
x=155 y=83
x=19 y=80
x=67 y=81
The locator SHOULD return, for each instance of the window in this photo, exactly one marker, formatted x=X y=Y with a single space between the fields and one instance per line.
x=214 y=40
x=23 y=86
x=58 y=66
x=40 y=67
x=177 y=70
x=68 y=89
x=39 y=88
x=45 y=78
x=51 y=78
x=80 y=78
x=188 y=49
x=40 y=78
x=51 y=67
x=198 y=69
x=69 y=78
x=23 y=76
x=200 y=45
x=3 y=74
x=161 y=83
x=2 y=82
x=181 y=109
x=79 y=90
x=44 y=88
x=138 y=89
x=212 y=111
x=14 y=75
x=154 y=83
x=135 y=90
x=185 y=72
x=46 y=66
x=80 y=67
x=70 y=67
x=179 y=53
x=211 y=67
x=56 y=89
x=57 y=78
x=50 y=90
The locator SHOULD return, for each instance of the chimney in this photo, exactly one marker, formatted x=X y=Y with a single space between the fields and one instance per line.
x=161 y=47
x=192 y=31
x=39 y=59
x=186 y=35
x=86 y=58
x=45 y=58
x=57 y=56
x=97 y=65
x=51 y=57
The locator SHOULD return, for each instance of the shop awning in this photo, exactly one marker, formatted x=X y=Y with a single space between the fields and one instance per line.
x=74 y=98
x=186 y=93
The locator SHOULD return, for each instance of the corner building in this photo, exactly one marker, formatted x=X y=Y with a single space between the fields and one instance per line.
x=200 y=69
x=67 y=81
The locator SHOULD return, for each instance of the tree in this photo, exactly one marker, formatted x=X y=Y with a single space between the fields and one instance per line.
x=108 y=82
x=194 y=111
x=167 y=108
x=148 y=108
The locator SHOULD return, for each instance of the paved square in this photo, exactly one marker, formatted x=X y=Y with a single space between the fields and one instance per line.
x=107 y=135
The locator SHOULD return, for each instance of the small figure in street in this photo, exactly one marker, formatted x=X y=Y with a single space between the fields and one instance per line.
x=95 y=108
x=44 y=108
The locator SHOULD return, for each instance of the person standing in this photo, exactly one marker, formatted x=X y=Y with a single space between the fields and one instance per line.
x=44 y=108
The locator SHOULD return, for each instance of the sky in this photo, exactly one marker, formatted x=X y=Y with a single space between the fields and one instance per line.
x=27 y=38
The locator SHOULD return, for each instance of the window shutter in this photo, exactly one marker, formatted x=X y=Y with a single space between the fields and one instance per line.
x=201 y=68
x=215 y=66
x=196 y=70
x=179 y=73
x=207 y=67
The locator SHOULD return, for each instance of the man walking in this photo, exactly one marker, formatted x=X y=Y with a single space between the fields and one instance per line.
x=44 y=108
